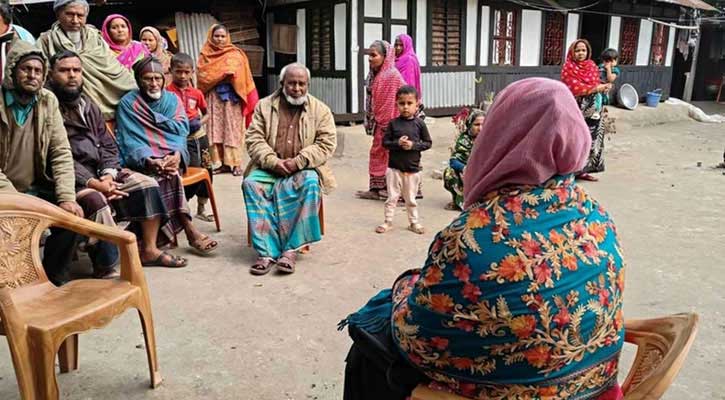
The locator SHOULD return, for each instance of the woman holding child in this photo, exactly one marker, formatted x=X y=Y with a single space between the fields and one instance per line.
x=382 y=84
x=521 y=295
x=582 y=76
x=226 y=79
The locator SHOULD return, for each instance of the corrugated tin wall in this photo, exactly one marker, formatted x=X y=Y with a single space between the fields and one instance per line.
x=332 y=91
x=448 y=89
x=191 y=30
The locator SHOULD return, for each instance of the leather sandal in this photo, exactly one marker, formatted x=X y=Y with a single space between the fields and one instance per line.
x=262 y=266
x=286 y=263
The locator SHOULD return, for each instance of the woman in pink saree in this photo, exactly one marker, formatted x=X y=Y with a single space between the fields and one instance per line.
x=382 y=83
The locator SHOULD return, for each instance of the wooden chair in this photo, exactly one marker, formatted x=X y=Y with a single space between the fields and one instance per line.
x=662 y=345
x=41 y=320
x=305 y=249
x=195 y=175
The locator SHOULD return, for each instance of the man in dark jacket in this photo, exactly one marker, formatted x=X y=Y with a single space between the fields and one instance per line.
x=106 y=192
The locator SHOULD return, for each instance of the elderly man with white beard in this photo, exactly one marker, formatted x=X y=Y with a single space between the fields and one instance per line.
x=290 y=140
x=151 y=130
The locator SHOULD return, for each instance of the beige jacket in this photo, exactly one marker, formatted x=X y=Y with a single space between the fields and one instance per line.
x=318 y=137
x=54 y=158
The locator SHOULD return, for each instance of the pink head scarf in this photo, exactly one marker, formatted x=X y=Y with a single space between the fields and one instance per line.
x=533 y=131
x=129 y=52
x=407 y=63
x=385 y=84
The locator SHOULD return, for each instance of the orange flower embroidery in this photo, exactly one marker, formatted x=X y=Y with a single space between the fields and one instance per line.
x=549 y=392
x=478 y=218
x=514 y=204
x=471 y=292
x=439 y=342
x=441 y=303
x=562 y=318
x=556 y=238
x=538 y=356
x=433 y=276
x=569 y=262
x=598 y=231
x=590 y=249
x=512 y=268
x=531 y=247
x=462 y=363
x=542 y=272
x=523 y=326
x=462 y=272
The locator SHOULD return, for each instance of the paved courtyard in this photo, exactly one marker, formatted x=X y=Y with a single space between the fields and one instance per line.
x=225 y=334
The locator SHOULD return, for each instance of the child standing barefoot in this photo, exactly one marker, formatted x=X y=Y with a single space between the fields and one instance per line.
x=406 y=137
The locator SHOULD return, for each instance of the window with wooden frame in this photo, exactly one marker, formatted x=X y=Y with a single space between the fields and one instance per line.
x=320 y=44
x=554 y=31
x=659 y=44
x=446 y=32
x=628 y=41
x=504 y=37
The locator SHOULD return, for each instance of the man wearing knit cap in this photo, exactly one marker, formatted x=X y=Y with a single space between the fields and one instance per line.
x=36 y=157
x=151 y=131
x=106 y=80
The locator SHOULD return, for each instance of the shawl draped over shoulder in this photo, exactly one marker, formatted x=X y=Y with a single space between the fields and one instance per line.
x=150 y=129
x=105 y=80
x=218 y=63
x=581 y=77
x=128 y=53
x=408 y=65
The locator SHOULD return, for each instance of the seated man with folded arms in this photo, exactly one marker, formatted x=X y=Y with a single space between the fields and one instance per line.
x=151 y=130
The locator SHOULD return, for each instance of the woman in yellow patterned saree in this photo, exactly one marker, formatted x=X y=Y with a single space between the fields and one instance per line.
x=521 y=295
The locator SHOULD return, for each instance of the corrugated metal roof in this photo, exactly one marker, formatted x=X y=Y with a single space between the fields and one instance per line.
x=191 y=30
x=691 y=4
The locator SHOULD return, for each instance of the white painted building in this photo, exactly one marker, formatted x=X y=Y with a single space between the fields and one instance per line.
x=466 y=48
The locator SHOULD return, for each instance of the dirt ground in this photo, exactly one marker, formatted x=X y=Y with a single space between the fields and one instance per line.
x=224 y=334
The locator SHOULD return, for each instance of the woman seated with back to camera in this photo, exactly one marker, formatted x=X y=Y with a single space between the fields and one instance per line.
x=521 y=295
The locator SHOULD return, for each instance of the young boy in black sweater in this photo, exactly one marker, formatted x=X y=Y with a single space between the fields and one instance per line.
x=405 y=137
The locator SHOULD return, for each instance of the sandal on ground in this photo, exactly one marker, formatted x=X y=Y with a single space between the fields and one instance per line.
x=237 y=171
x=204 y=245
x=262 y=266
x=166 y=260
x=221 y=170
x=368 y=195
x=384 y=227
x=286 y=263
x=202 y=216
x=587 y=177
x=452 y=207
x=416 y=228
x=107 y=274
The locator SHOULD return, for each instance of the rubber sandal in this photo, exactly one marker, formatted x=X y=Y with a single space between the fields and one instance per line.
x=452 y=207
x=178 y=262
x=416 y=228
x=205 y=217
x=262 y=266
x=368 y=195
x=107 y=274
x=587 y=177
x=204 y=245
x=384 y=227
x=286 y=263
x=237 y=171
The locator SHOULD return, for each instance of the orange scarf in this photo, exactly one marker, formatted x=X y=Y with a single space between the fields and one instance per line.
x=216 y=63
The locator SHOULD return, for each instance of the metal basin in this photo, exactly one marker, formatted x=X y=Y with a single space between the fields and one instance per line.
x=627 y=96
